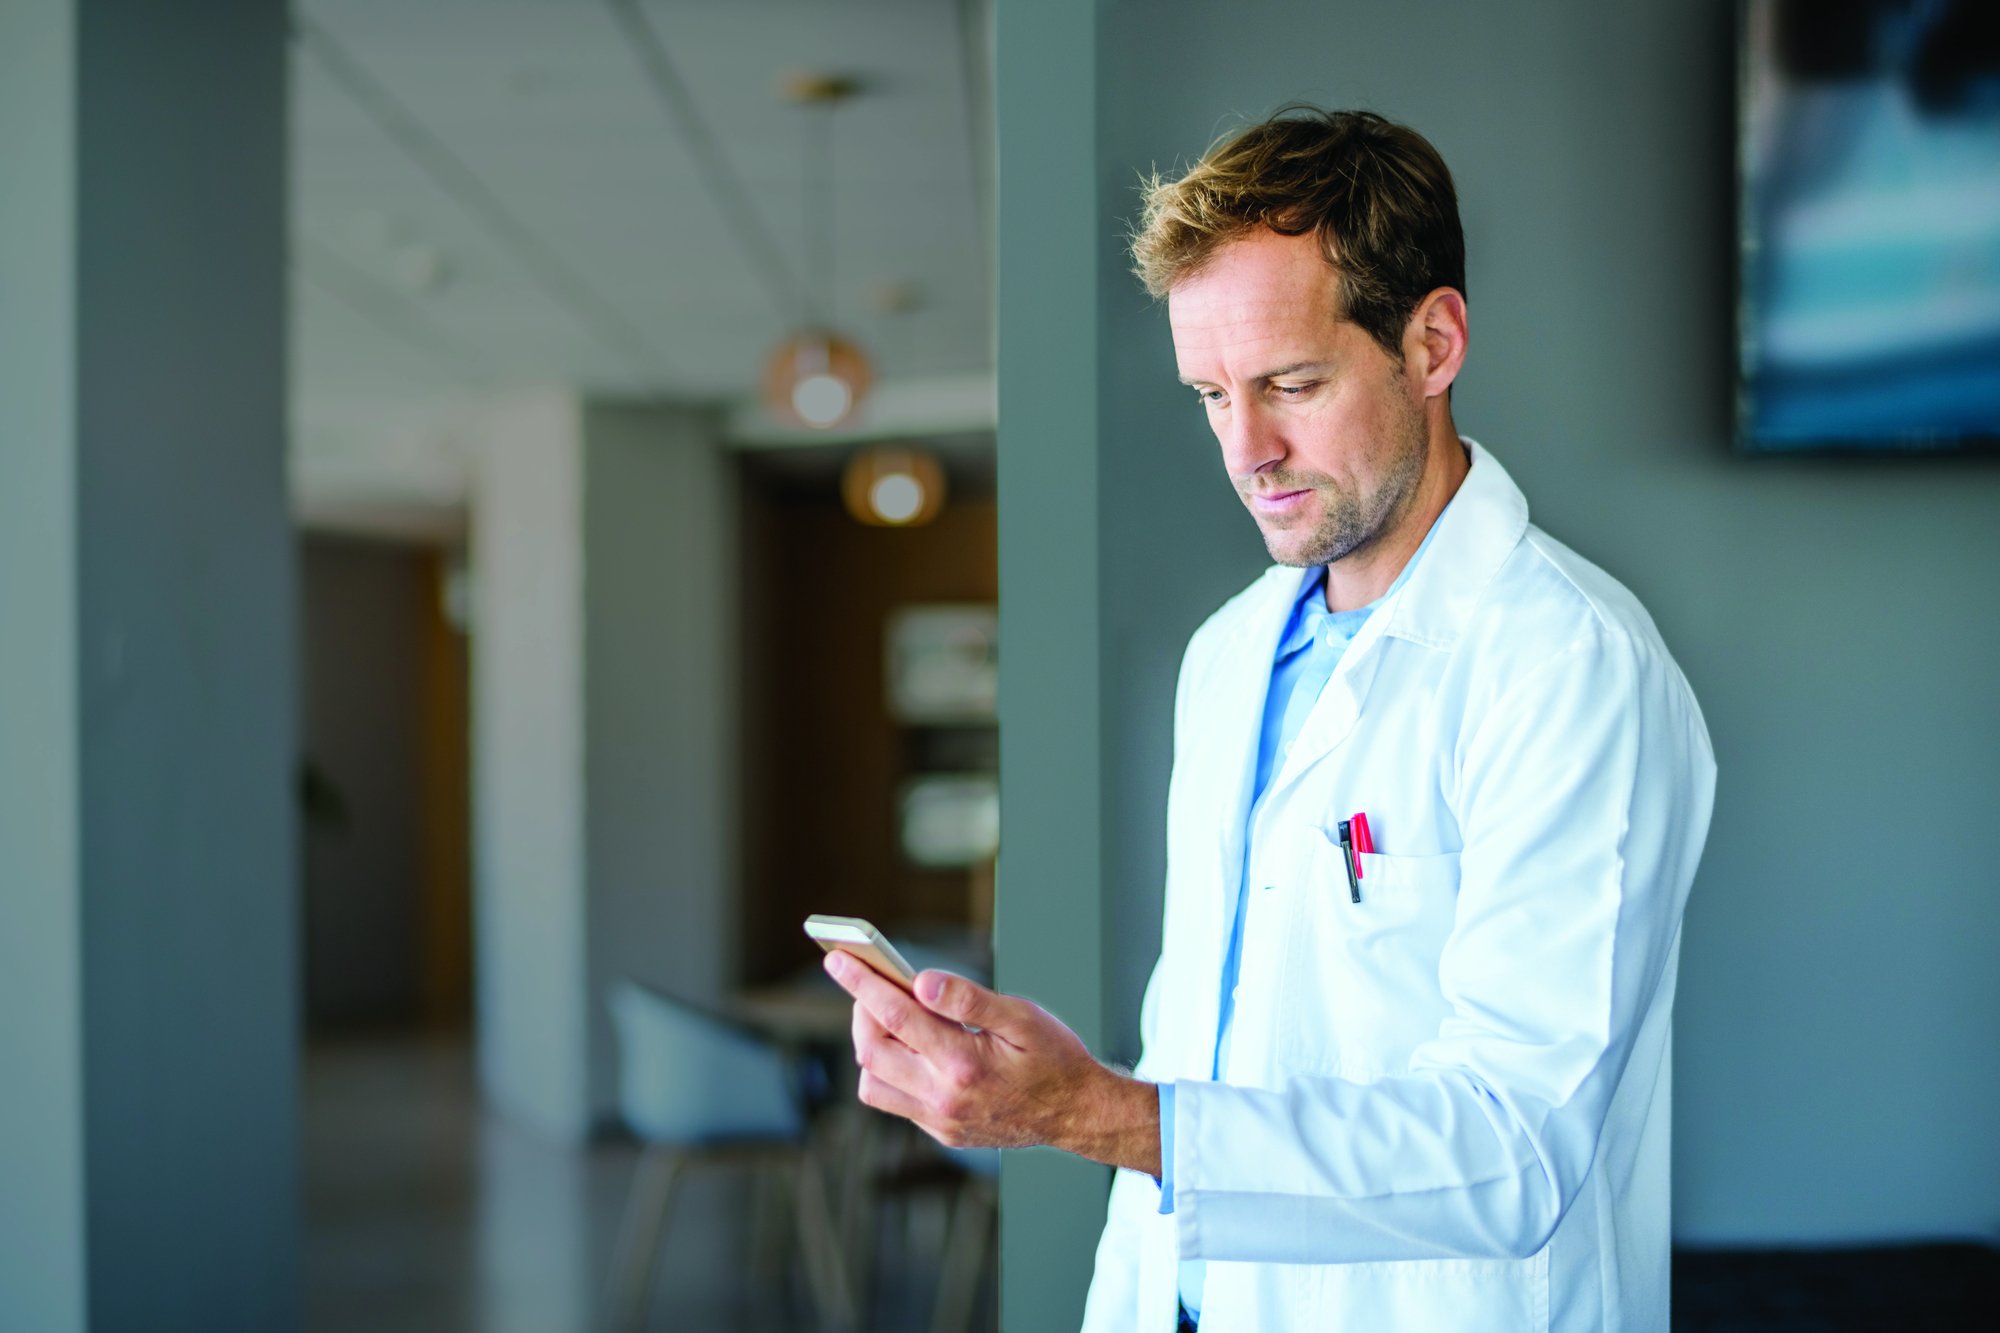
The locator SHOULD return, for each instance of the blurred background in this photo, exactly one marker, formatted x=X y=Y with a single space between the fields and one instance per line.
x=640 y=431
x=503 y=508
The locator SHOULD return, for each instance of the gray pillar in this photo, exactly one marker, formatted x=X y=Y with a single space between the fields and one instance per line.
x=604 y=735
x=1049 y=940
x=1119 y=534
x=661 y=593
x=147 y=974
x=527 y=753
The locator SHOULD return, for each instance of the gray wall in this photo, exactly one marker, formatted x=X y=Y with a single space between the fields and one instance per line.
x=186 y=636
x=42 y=1207
x=1056 y=773
x=1838 y=1003
x=142 y=339
x=1839 y=1006
x=659 y=690
x=604 y=766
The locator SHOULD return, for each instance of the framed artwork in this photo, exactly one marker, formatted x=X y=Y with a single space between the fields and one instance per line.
x=944 y=664
x=950 y=821
x=1869 y=226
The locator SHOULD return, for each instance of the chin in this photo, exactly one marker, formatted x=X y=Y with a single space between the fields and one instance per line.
x=1294 y=552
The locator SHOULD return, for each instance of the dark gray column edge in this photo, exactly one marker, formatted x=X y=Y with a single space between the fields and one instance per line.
x=1050 y=913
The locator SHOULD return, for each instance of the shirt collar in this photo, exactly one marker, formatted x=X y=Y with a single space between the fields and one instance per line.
x=1308 y=613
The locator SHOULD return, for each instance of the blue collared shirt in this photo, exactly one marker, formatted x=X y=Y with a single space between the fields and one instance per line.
x=1309 y=651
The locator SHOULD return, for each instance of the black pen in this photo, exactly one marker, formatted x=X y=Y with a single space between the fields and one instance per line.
x=1347 y=860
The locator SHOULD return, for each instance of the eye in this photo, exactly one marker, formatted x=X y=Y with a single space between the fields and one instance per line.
x=1209 y=396
x=1293 y=390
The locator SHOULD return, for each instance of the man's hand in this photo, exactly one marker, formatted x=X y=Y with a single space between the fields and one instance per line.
x=1022 y=1079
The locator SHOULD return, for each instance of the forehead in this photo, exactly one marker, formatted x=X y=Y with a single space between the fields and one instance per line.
x=1260 y=295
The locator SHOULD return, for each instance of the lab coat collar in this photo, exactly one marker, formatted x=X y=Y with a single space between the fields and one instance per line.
x=1478 y=530
x=1481 y=525
x=1476 y=533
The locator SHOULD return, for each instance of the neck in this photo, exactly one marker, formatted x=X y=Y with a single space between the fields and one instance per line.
x=1360 y=577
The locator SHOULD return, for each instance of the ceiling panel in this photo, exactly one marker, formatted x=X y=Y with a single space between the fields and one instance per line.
x=489 y=194
x=579 y=171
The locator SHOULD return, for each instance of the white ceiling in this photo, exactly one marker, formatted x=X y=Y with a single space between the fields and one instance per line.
x=493 y=193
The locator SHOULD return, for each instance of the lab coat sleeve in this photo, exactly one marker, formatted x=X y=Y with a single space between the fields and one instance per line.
x=1136 y=1200
x=1583 y=797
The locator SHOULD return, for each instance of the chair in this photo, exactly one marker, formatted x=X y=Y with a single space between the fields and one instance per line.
x=967 y=1178
x=968 y=1239
x=890 y=1164
x=700 y=1090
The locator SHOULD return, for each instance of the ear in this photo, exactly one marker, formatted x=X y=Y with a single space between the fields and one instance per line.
x=1434 y=340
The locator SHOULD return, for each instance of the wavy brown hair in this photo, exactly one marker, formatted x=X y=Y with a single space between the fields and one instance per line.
x=1375 y=193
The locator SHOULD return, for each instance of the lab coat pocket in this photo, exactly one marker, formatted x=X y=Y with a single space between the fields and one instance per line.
x=1406 y=889
x=1373 y=964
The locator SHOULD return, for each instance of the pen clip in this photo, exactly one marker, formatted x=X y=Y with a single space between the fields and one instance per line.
x=1347 y=859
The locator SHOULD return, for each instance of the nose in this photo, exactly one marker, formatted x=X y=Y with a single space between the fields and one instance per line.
x=1249 y=442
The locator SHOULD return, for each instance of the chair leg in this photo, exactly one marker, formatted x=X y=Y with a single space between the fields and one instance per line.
x=859 y=1152
x=826 y=1267
x=771 y=1222
x=971 y=1230
x=851 y=1142
x=639 y=1235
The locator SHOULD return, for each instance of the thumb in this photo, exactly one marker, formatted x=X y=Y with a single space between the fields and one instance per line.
x=963 y=1001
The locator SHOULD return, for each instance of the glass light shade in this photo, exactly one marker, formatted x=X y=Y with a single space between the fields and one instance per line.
x=893 y=488
x=816 y=379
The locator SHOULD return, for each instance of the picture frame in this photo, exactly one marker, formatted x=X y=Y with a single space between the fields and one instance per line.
x=1868 y=210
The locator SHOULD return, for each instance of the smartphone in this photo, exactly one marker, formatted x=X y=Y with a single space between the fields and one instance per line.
x=853 y=935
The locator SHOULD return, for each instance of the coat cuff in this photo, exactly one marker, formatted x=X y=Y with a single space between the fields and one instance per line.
x=1166 y=1147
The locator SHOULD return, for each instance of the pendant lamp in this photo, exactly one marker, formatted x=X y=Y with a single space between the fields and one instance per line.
x=816 y=378
x=893 y=488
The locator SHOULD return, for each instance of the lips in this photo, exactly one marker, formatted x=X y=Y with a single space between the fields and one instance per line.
x=1275 y=502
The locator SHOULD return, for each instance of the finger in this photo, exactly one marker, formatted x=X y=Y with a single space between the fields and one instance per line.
x=867 y=1028
x=878 y=1052
x=893 y=1007
x=964 y=1001
x=884 y=1096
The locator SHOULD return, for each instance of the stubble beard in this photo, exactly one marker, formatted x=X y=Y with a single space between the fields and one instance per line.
x=1349 y=522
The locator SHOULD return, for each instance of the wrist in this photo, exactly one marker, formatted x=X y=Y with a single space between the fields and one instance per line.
x=1117 y=1122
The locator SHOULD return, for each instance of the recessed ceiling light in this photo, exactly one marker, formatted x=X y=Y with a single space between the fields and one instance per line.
x=809 y=87
x=898 y=297
x=422 y=268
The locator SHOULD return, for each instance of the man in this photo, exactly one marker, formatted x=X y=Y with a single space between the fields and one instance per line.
x=1438 y=795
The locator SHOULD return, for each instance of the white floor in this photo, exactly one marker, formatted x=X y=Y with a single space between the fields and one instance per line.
x=424 y=1212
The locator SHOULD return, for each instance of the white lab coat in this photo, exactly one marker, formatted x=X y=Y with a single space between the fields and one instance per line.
x=1447 y=1105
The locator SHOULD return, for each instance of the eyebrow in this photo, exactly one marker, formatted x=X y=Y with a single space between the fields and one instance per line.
x=1279 y=373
